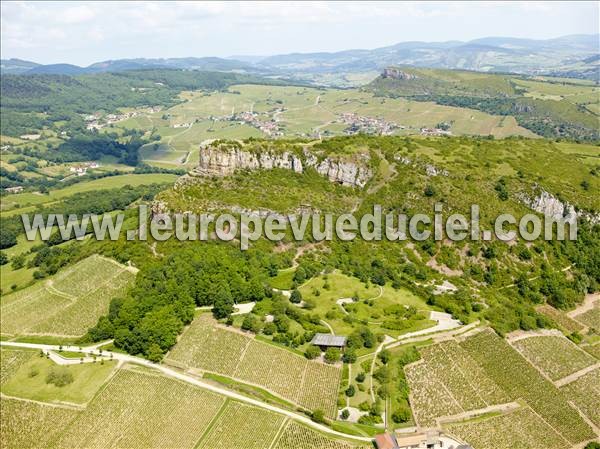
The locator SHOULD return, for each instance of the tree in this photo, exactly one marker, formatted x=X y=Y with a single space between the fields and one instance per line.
x=360 y=377
x=345 y=414
x=3 y=258
x=350 y=391
x=332 y=355
x=349 y=356
x=155 y=354
x=223 y=302
x=318 y=416
x=429 y=190
x=401 y=415
x=296 y=296
x=384 y=356
x=312 y=352
x=252 y=323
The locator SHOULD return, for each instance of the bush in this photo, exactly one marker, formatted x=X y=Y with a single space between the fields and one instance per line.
x=59 y=376
x=332 y=355
x=360 y=377
x=252 y=323
x=318 y=416
x=345 y=414
x=296 y=297
x=312 y=352
x=401 y=415
x=350 y=391
x=349 y=356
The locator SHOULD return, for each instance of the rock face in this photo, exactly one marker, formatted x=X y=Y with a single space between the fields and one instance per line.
x=224 y=161
x=397 y=74
x=547 y=204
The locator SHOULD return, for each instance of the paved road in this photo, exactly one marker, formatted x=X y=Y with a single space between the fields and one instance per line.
x=189 y=379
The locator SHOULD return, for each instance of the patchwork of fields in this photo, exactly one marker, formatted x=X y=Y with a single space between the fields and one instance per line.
x=208 y=347
x=67 y=304
x=555 y=356
x=449 y=382
x=515 y=375
x=138 y=408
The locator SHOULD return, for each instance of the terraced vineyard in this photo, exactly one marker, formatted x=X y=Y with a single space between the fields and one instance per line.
x=208 y=347
x=560 y=318
x=297 y=436
x=520 y=380
x=521 y=428
x=555 y=356
x=591 y=318
x=585 y=394
x=139 y=410
x=447 y=382
x=242 y=426
x=67 y=304
x=27 y=424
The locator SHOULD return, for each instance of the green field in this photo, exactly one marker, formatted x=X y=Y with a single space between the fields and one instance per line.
x=24 y=202
x=29 y=380
x=67 y=304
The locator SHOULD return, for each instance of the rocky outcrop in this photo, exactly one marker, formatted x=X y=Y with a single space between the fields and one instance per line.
x=549 y=205
x=397 y=74
x=225 y=160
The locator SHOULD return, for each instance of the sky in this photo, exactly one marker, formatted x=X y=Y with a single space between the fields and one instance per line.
x=85 y=32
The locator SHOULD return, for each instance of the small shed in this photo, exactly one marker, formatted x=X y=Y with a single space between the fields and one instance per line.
x=326 y=341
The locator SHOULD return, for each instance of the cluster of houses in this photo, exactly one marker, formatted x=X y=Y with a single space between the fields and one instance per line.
x=269 y=127
x=96 y=121
x=367 y=125
x=82 y=169
x=435 y=132
x=15 y=189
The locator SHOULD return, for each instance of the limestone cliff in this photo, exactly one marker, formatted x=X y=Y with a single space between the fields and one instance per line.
x=225 y=160
x=549 y=205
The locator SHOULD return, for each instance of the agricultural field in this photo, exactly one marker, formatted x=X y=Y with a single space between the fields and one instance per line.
x=448 y=375
x=23 y=202
x=554 y=356
x=153 y=411
x=29 y=380
x=208 y=347
x=560 y=318
x=584 y=392
x=30 y=425
x=520 y=428
x=520 y=380
x=242 y=426
x=297 y=112
x=297 y=436
x=10 y=362
x=591 y=318
x=68 y=303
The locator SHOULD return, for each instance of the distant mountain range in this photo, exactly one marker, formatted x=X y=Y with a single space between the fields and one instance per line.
x=574 y=56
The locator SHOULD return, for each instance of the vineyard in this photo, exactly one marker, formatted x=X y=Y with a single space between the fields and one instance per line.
x=447 y=382
x=585 y=394
x=26 y=425
x=562 y=319
x=520 y=380
x=521 y=428
x=11 y=361
x=297 y=436
x=138 y=410
x=555 y=356
x=67 y=304
x=591 y=318
x=208 y=347
x=242 y=426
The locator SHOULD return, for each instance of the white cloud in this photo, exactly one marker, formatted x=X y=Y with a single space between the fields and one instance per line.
x=84 y=32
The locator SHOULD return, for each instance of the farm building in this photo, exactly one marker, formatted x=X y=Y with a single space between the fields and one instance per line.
x=427 y=440
x=15 y=189
x=326 y=341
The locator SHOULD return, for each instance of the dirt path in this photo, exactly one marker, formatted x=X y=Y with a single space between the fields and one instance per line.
x=573 y=377
x=588 y=304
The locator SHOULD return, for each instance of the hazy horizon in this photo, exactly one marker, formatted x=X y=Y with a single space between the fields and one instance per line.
x=86 y=32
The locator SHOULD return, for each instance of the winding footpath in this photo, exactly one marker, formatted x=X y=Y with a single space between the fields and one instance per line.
x=126 y=358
